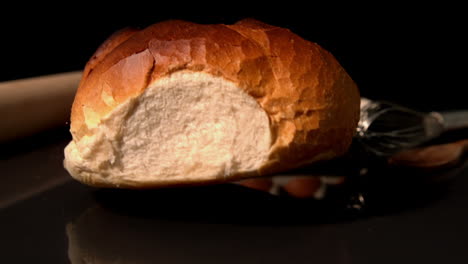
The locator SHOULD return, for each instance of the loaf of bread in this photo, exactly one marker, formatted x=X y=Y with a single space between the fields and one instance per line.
x=180 y=103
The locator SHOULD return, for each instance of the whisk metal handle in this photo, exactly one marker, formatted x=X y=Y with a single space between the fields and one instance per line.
x=452 y=120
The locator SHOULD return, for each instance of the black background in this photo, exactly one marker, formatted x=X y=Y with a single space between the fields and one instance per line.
x=412 y=55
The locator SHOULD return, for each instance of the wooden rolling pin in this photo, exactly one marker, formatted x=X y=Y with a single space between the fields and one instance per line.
x=33 y=105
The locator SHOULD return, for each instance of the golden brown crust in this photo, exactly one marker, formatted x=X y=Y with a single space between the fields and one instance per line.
x=312 y=103
x=106 y=47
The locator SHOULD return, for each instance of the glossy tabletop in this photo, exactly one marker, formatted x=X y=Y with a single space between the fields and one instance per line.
x=46 y=217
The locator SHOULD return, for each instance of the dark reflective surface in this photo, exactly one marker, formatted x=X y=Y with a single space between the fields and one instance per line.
x=407 y=217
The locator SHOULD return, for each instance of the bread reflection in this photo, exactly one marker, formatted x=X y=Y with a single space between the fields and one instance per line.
x=101 y=236
x=179 y=226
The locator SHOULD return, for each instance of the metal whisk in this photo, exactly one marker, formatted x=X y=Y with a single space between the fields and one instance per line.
x=385 y=128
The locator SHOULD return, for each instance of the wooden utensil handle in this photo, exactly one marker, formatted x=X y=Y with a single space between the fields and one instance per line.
x=31 y=105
